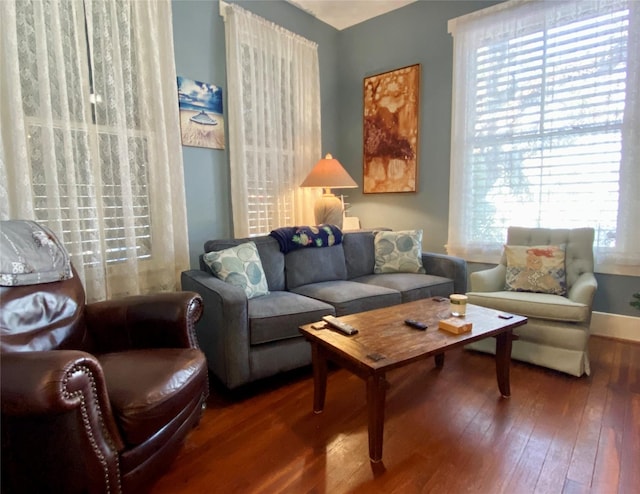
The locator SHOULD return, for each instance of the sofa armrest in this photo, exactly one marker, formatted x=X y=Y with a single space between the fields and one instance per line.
x=584 y=289
x=160 y=320
x=447 y=266
x=223 y=330
x=489 y=280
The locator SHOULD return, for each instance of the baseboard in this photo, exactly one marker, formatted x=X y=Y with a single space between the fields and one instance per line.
x=615 y=326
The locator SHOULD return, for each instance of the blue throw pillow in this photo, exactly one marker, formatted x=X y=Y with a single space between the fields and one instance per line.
x=398 y=252
x=240 y=266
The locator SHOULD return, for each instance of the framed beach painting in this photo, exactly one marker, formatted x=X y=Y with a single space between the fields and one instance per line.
x=391 y=131
x=201 y=117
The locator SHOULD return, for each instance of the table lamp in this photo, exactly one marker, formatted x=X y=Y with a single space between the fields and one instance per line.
x=329 y=174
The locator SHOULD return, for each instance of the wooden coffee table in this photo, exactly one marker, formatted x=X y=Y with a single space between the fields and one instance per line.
x=384 y=343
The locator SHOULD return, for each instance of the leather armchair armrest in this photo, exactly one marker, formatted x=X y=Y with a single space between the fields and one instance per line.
x=40 y=387
x=161 y=320
x=489 y=280
x=584 y=289
x=447 y=266
x=32 y=382
x=58 y=381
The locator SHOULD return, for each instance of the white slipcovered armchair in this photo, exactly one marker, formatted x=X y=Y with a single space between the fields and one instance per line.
x=557 y=334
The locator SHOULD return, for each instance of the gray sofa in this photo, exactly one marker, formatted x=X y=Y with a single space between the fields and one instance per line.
x=249 y=339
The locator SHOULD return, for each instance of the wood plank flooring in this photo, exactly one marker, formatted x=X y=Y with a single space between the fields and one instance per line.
x=446 y=431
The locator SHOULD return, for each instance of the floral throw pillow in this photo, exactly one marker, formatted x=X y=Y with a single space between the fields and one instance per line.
x=240 y=266
x=539 y=268
x=398 y=252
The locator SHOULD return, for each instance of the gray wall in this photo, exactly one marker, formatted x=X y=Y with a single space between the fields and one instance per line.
x=413 y=34
x=198 y=37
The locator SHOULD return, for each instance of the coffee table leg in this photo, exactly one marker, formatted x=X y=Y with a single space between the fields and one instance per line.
x=319 y=377
x=439 y=358
x=376 y=391
x=503 y=362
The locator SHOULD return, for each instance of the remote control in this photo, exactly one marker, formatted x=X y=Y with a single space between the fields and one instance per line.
x=505 y=316
x=339 y=325
x=415 y=324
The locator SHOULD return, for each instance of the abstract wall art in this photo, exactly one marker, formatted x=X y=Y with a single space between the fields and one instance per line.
x=391 y=104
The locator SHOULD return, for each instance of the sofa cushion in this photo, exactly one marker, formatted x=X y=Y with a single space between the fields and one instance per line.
x=240 y=266
x=305 y=266
x=359 y=254
x=349 y=297
x=278 y=315
x=398 y=252
x=539 y=305
x=411 y=286
x=164 y=384
x=537 y=268
x=270 y=256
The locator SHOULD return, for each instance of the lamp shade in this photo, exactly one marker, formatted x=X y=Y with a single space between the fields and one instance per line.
x=329 y=173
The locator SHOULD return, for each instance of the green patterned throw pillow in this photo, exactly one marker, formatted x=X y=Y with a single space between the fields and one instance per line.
x=240 y=266
x=398 y=252
x=536 y=268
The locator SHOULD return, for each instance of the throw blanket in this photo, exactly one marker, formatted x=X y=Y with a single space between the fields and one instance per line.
x=296 y=237
x=30 y=253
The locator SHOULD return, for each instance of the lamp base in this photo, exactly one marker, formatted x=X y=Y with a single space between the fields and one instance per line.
x=329 y=210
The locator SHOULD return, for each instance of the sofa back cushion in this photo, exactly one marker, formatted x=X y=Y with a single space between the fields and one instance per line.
x=46 y=316
x=359 y=253
x=270 y=256
x=314 y=264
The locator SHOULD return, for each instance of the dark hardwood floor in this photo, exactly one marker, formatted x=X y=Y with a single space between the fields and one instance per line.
x=446 y=431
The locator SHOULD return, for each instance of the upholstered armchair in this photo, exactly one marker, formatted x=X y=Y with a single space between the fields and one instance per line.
x=95 y=397
x=557 y=334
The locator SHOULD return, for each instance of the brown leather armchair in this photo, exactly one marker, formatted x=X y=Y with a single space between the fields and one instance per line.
x=95 y=397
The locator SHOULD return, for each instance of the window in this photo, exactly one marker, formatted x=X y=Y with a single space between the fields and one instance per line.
x=91 y=147
x=545 y=111
x=79 y=194
x=274 y=122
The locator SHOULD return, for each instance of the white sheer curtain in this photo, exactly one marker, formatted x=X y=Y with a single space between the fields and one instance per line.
x=546 y=126
x=273 y=86
x=91 y=139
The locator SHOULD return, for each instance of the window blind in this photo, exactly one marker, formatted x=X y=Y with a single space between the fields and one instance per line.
x=80 y=201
